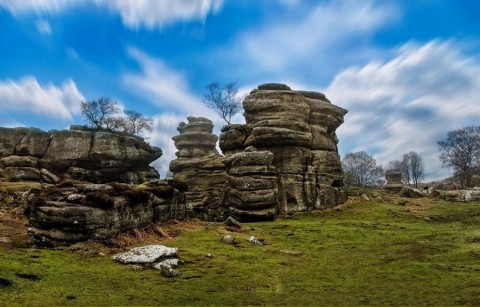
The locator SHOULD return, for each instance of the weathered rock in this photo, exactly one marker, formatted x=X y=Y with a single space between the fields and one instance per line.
x=298 y=127
x=230 y=221
x=462 y=195
x=228 y=239
x=250 y=191
x=146 y=254
x=20 y=161
x=167 y=266
x=63 y=215
x=79 y=154
x=394 y=183
x=410 y=192
x=200 y=167
x=22 y=174
x=48 y=177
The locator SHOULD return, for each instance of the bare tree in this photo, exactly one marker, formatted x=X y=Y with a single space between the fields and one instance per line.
x=224 y=101
x=413 y=168
x=135 y=123
x=461 y=152
x=97 y=111
x=362 y=169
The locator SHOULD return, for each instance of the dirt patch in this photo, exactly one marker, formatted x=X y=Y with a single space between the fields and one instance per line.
x=13 y=225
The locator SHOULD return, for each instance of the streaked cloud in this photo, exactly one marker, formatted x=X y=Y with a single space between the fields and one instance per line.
x=315 y=39
x=28 y=95
x=43 y=27
x=162 y=86
x=134 y=13
x=156 y=14
x=408 y=102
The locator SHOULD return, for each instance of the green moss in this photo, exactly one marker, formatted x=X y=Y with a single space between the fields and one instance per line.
x=366 y=253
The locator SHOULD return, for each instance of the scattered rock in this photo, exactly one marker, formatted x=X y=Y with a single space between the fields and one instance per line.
x=228 y=239
x=230 y=221
x=365 y=196
x=254 y=240
x=146 y=254
x=167 y=266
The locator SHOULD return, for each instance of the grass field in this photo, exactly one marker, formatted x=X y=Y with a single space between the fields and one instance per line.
x=367 y=252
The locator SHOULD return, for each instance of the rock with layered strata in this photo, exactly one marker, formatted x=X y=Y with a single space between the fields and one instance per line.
x=77 y=153
x=298 y=127
x=68 y=213
x=394 y=182
x=200 y=167
x=252 y=192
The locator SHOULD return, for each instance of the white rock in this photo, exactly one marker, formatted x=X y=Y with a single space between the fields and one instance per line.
x=171 y=262
x=166 y=267
x=146 y=254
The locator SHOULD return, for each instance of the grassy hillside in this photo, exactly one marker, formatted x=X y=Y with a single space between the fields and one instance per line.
x=380 y=251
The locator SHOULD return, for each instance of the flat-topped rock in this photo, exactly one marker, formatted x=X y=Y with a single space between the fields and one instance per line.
x=274 y=87
x=97 y=156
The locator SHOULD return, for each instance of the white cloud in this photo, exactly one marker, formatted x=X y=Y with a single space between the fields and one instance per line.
x=163 y=86
x=312 y=42
x=409 y=102
x=43 y=27
x=154 y=13
x=39 y=6
x=30 y=96
x=164 y=128
x=134 y=13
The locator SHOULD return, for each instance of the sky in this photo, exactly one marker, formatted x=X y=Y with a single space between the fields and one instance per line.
x=408 y=71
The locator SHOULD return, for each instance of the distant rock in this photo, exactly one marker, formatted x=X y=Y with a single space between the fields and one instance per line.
x=394 y=182
x=462 y=195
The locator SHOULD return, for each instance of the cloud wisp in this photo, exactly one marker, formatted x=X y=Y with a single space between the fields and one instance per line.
x=28 y=95
x=409 y=102
x=308 y=42
x=135 y=14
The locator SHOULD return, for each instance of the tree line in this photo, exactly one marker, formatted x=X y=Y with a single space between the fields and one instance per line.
x=460 y=152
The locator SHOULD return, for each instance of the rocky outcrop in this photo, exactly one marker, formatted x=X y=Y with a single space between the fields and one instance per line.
x=252 y=191
x=298 y=127
x=66 y=213
x=35 y=155
x=200 y=167
x=394 y=182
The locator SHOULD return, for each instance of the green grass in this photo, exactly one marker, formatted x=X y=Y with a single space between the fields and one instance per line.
x=366 y=253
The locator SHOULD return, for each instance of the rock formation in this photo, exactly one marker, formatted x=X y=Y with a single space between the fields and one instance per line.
x=28 y=154
x=394 y=181
x=298 y=127
x=252 y=191
x=200 y=167
x=69 y=213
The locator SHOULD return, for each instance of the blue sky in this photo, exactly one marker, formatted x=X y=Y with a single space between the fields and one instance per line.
x=408 y=71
